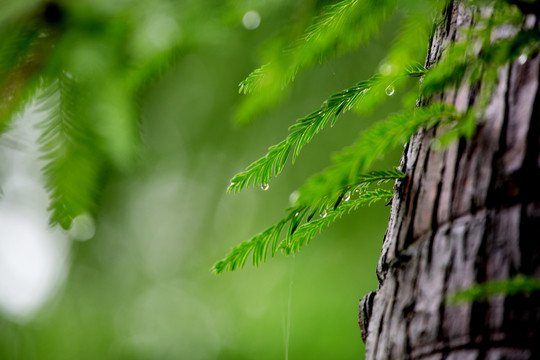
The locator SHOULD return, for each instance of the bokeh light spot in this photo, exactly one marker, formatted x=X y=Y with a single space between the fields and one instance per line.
x=251 y=20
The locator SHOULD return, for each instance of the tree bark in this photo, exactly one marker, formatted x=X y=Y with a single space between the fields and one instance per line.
x=464 y=215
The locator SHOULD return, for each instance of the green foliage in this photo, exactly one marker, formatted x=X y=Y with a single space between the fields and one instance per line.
x=373 y=144
x=85 y=63
x=463 y=62
x=340 y=27
x=68 y=145
x=327 y=190
x=306 y=219
x=89 y=61
x=261 y=171
x=519 y=284
x=298 y=233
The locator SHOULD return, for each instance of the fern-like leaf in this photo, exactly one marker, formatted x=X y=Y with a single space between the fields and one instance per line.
x=329 y=192
x=67 y=142
x=374 y=143
x=354 y=188
x=302 y=226
x=298 y=234
x=261 y=171
x=305 y=232
x=340 y=27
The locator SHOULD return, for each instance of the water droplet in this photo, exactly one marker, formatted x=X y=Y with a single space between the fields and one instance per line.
x=522 y=59
x=324 y=213
x=389 y=90
x=265 y=187
x=297 y=214
x=347 y=196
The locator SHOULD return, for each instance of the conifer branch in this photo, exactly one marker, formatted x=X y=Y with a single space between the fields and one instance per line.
x=266 y=84
x=261 y=171
x=302 y=225
x=329 y=193
x=304 y=233
x=340 y=27
x=68 y=146
x=354 y=188
x=373 y=144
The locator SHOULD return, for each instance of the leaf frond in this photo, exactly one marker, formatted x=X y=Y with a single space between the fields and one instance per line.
x=302 y=228
x=261 y=171
x=340 y=27
x=305 y=232
x=67 y=144
x=371 y=145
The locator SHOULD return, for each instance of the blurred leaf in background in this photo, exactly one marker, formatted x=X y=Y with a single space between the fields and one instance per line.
x=117 y=117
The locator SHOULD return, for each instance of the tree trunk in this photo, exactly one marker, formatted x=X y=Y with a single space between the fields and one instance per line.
x=467 y=214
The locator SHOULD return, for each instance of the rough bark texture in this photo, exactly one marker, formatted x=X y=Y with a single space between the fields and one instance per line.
x=465 y=215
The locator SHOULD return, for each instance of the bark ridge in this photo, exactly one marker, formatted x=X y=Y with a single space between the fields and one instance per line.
x=465 y=215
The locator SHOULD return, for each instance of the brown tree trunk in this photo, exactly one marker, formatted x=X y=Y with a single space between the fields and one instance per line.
x=467 y=214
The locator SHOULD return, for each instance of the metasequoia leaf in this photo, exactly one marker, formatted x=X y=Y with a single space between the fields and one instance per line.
x=300 y=232
x=67 y=142
x=372 y=144
x=339 y=28
x=261 y=171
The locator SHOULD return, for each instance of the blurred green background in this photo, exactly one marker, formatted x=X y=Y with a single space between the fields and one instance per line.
x=141 y=287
